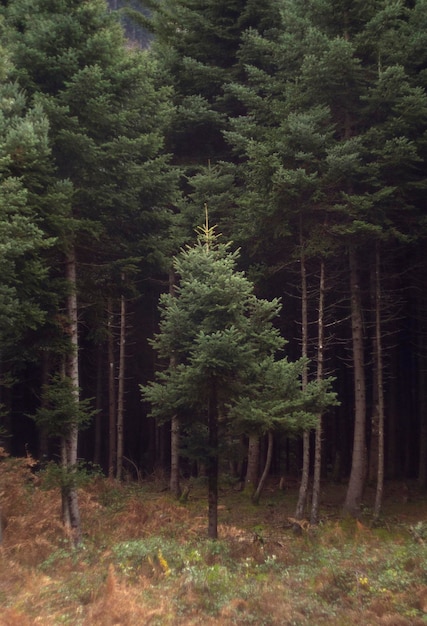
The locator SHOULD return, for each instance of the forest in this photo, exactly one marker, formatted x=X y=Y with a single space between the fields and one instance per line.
x=213 y=218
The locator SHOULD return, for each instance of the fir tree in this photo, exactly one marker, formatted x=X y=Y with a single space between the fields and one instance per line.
x=226 y=372
x=24 y=165
x=106 y=118
x=332 y=149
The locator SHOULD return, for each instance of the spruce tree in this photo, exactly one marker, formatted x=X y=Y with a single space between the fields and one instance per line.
x=333 y=145
x=106 y=119
x=24 y=169
x=226 y=372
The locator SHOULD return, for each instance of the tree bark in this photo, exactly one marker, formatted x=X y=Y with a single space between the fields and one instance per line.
x=260 y=487
x=303 y=490
x=314 y=515
x=121 y=386
x=70 y=500
x=175 y=485
x=252 y=470
x=378 y=356
x=356 y=482
x=422 y=393
x=66 y=518
x=422 y=404
x=99 y=414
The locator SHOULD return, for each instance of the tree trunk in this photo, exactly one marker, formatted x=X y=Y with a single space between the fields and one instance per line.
x=111 y=393
x=121 y=386
x=213 y=465
x=175 y=485
x=99 y=414
x=72 y=371
x=422 y=404
x=378 y=356
x=66 y=518
x=252 y=470
x=303 y=490
x=357 y=474
x=257 y=494
x=422 y=393
x=373 y=456
x=314 y=516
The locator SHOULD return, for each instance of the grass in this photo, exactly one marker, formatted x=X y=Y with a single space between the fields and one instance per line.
x=146 y=560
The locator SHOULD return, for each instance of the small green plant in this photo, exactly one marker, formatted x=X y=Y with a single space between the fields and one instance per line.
x=419 y=531
x=55 y=475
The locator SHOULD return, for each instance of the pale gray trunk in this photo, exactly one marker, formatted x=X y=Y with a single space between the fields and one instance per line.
x=378 y=356
x=314 y=516
x=303 y=489
x=267 y=466
x=70 y=500
x=121 y=387
x=357 y=475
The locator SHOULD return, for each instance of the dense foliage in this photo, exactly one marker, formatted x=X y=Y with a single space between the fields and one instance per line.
x=303 y=126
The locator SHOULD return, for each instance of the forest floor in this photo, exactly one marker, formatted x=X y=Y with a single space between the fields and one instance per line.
x=145 y=559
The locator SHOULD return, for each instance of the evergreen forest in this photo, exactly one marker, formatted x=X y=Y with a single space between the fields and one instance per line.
x=212 y=227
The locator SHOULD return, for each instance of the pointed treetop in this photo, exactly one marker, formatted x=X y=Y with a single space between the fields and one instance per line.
x=206 y=233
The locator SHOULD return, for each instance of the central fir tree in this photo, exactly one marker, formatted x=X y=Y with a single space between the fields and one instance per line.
x=224 y=375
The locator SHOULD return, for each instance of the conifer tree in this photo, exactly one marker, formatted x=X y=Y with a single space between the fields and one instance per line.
x=106 y=117
x=226 y=372
x=24 y=170
x=331 y=141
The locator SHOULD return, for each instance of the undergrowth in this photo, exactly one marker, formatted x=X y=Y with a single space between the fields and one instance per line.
x=146 y=560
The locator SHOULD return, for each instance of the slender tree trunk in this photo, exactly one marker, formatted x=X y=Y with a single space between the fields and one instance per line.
x=66 y=519
x=175 y=485
x=121 y=386
x=422 y=393
x=422 y=404
x=379 y=384
x=267 y=466
x=213 y=466
x=357 y=475
x=372 y=461
x=72 y=371
x=314 y=516
x=111 y=393
x=99 y=414
x=252 y=470
x=303 y=490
